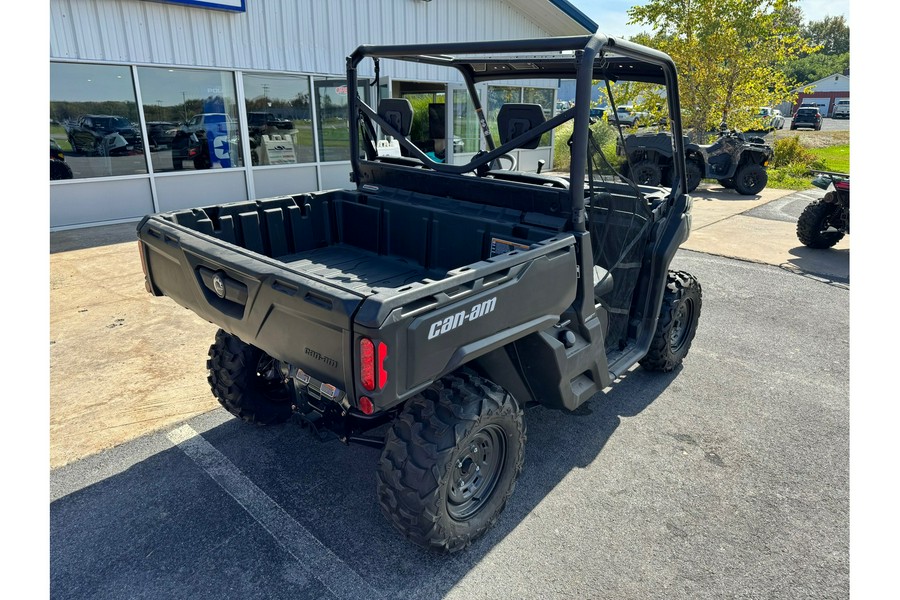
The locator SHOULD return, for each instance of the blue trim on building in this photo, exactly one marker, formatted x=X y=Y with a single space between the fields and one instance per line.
x=576 y=15
x=230 y=6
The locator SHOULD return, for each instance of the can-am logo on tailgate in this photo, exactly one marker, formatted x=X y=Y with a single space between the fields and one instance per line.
x=453 y=321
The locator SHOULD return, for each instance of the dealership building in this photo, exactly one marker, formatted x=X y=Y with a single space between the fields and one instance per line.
x=158 y=105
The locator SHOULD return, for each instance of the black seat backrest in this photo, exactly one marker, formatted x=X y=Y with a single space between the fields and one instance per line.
x=398 y=112
x=515 y=119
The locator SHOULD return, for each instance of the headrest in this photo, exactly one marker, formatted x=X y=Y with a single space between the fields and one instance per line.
x=515 y=119
x=398 y=113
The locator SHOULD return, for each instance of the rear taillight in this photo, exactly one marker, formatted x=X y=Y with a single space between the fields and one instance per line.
x=371 y=364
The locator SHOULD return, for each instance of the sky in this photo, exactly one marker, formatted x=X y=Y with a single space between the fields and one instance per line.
x=612 y=15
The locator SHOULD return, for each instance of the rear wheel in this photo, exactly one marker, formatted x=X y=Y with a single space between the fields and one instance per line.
x=813 y=227
x=646 y=173
x=247 y=382
x=751 y=179
x=677 y=325
x=451 y=461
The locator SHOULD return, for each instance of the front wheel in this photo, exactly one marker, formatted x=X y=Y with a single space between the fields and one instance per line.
x=247 y=382
x=451 y=461
x=813 y=227
x=751 y=179
x=677 y=324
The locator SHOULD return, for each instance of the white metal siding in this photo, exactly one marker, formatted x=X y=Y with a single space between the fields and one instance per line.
x=306 y=36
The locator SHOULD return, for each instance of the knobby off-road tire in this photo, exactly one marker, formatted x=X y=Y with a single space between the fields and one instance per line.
x=727 y=183
x=751 y=179
x=694 y=175
x=646 y=173
x=813 y=223
x=247 y=382
x=677 y=323
x=451 y=461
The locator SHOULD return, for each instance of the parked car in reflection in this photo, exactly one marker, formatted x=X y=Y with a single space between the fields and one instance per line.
x=161 y=133
x=58 y=167
x=208 y=140
x=104 y=135
x=260 y=122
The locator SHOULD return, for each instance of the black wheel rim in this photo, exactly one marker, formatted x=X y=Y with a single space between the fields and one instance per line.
x=475 y=473
x=681 y=325
x=645 y=175
x=750 y=181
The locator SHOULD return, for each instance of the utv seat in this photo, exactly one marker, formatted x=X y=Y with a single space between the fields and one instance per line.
x=398 y=113
x=514 y=119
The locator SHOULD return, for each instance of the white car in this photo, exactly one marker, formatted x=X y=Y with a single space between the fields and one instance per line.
x=626 y=115
x=841 y=109
x=769 y=118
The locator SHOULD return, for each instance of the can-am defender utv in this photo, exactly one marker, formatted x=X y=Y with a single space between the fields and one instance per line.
x=440 y=297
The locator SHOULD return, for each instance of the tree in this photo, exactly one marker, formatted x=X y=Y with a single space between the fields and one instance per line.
x=728 y=54
x=831 y=33
x=816 y=66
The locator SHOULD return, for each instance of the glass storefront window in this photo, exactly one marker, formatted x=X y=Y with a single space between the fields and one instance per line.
x=94 y=125
x=191 y=119
x=466 y=133
x=279 y=119
x=331 y=108
x=544 y=97
x=499 y=95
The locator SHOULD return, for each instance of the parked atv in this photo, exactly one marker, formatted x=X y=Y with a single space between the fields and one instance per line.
x=823 y=223
x=736 y=160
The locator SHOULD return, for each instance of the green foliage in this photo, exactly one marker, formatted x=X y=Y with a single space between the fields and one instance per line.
x=790 y=168
x=604 y=134
x=831 y=33
x=728 y=53
x=789 y=151
x=816 y=66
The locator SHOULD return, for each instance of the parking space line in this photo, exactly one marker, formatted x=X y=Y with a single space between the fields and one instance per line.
x=314 y=558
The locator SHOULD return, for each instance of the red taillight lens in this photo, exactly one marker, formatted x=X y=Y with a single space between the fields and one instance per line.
x=365 y=405
x=371 y=364
x=367 y=363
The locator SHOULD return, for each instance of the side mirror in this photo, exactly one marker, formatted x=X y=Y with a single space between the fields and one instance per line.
x=541 y=164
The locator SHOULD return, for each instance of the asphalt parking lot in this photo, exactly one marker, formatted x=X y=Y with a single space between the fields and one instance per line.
x=726 y=479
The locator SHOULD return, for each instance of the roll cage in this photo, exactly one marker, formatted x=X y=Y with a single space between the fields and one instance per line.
x=582 y=58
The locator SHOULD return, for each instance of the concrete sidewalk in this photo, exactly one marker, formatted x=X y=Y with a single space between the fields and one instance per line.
x=123 y=363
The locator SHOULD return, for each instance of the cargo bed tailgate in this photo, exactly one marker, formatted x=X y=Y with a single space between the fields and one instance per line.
x=297 y=318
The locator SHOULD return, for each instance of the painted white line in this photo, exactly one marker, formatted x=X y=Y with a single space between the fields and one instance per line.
x=313 y=557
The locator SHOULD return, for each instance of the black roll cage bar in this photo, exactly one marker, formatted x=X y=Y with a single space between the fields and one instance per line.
x=593 y=57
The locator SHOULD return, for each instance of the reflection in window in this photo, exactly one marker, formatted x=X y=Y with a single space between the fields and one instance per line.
x=191 y=119
x=331 y=108
x=498 y=96
x=94 y=130
x=279 y=119
x=466 y=133
x=544 y=97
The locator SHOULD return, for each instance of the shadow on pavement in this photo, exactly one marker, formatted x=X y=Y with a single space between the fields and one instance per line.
x=92 y=237
x=832 y=264
x=163 y=528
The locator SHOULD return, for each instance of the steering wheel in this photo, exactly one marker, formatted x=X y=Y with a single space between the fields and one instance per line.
x=497 y=163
